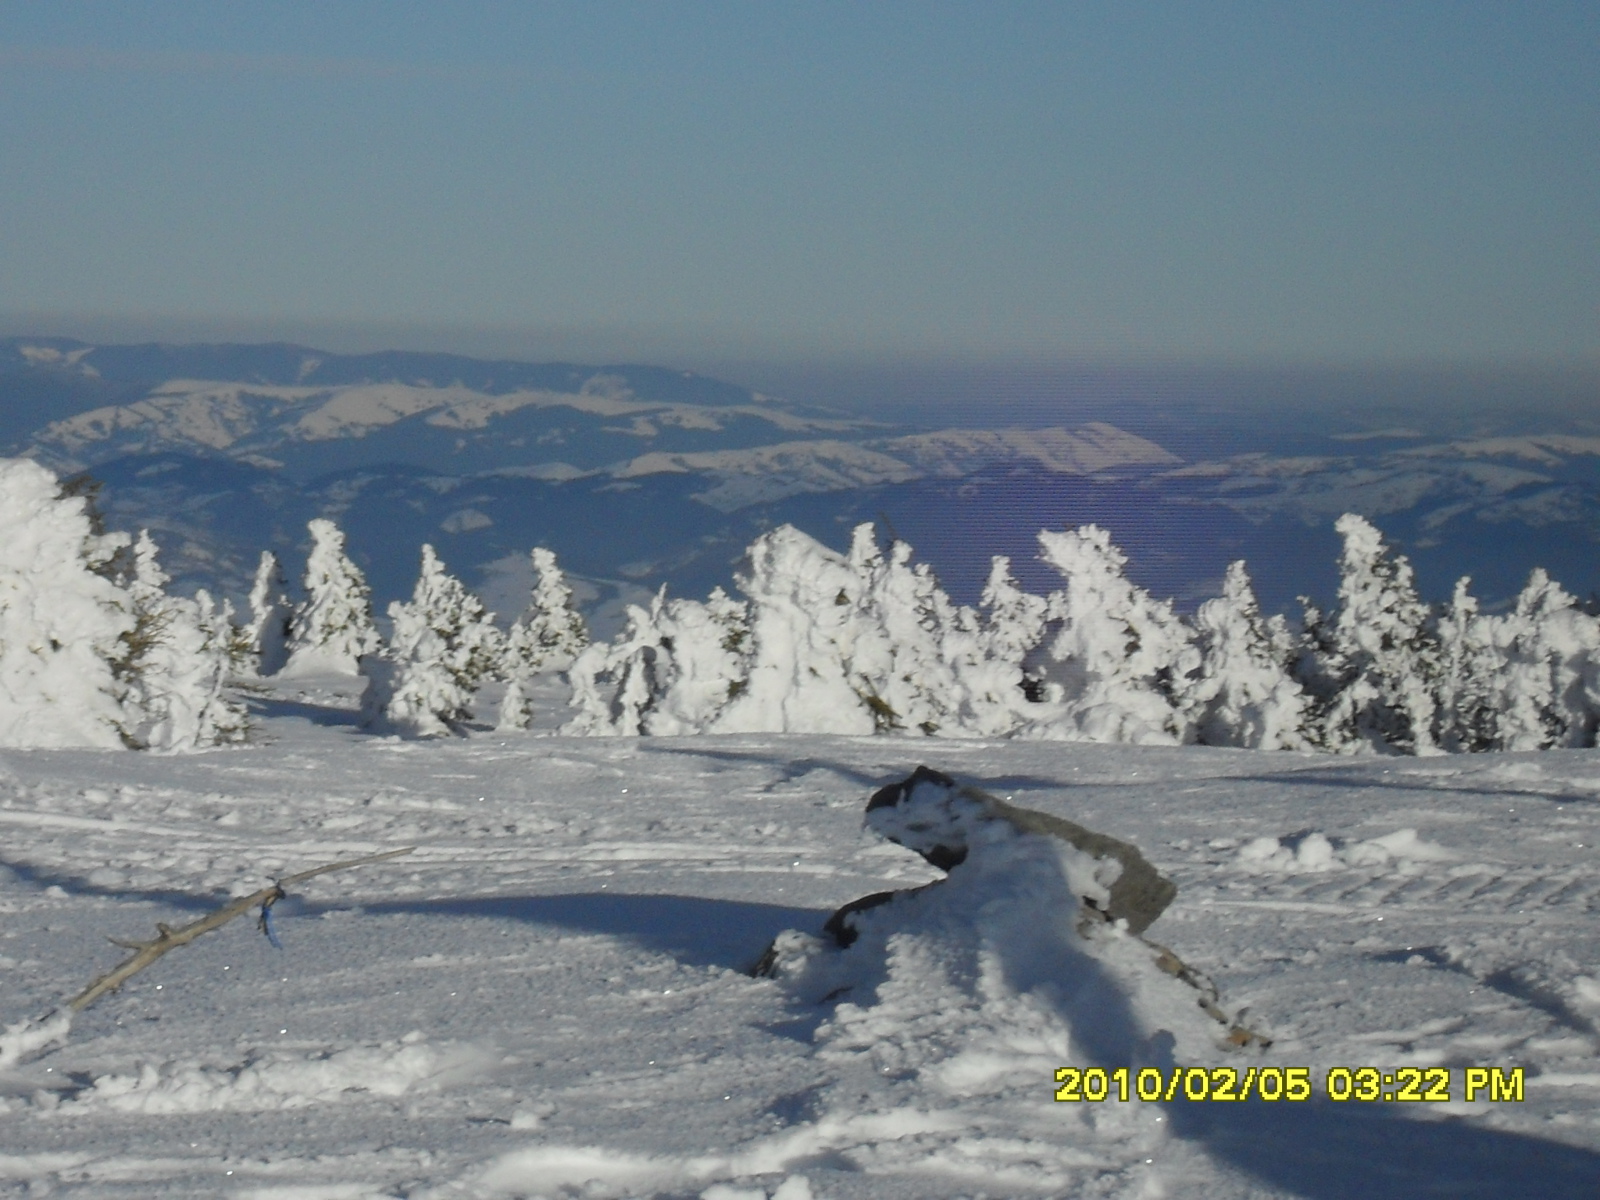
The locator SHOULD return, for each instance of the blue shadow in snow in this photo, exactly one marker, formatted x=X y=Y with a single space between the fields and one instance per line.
x=695 y=930
x=1353 y=1151
x=316 y=714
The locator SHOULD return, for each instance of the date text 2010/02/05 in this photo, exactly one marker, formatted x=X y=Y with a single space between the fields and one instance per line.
x=1425 y=1085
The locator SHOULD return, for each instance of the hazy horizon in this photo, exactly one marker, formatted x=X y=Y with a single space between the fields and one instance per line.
x=834 y=186
x=1148 y=396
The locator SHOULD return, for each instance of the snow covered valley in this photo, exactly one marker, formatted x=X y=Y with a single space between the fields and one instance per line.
x=549 y=997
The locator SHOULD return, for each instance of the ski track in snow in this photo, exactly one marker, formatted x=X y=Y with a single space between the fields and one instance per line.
x=547 y=997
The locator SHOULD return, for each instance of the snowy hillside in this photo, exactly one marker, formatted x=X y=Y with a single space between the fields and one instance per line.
x=255 y=422
x=548 y=998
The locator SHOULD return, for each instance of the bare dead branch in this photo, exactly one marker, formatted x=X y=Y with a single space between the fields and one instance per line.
x=168 y=938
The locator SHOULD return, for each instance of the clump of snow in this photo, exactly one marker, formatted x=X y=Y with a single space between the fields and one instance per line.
x=24 y=1039
x=1313 y=852
x=277 y=1079
x=1404 y=845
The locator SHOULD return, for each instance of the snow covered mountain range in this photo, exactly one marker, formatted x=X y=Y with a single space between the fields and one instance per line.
x=638 y=476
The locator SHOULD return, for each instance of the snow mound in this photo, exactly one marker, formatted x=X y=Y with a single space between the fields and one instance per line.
x=26 y=1038
x=985 y=982
x=279 y=1079
x=600 y=1173
x=1313 y=851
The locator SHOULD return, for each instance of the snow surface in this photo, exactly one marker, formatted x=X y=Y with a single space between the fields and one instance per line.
x=547 y=998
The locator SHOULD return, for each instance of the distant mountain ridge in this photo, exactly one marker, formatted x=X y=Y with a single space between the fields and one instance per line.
x=639 y=476
x=285 y=364
x=596 y=421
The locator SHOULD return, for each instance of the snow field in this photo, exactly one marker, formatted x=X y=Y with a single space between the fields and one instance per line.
x=547 y=998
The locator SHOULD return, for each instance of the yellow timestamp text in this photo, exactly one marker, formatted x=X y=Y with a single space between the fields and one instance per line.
x=1419 y=1085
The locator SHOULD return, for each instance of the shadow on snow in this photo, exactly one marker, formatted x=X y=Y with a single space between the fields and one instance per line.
x=1319 y=1149
x=695 y=930
x=1343 y=1151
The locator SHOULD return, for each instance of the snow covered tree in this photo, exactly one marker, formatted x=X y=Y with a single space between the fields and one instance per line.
x=1014 y=620
x=802 y=630
x=1379 y=669
x=64 y=624
x=673 y=670
x=988 y=655
x=824 y=643
x=1469 y=671
x=271 y=616
x=443 y=646
x=548 y=637
x=1546 y=691
x=180 y=657
x=333 y=628
x=894 y=644
x=1116 y=660
x=1242 y=693
x=551 y=633
x=615 y=684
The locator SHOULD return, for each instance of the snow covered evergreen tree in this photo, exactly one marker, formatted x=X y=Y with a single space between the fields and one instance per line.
x=271 y=616
x=1469 y=675
x=868 y=643
x=1242 y=693
x=551 y=633
x=333 y=627
x=1378 y=673
x=998 y=691
x=1546 y=689
x=614 y=684
x=896 y=640
x=673 y=670
x=548 y=637
x=180 y=657
x=1116 y=662
x=443 y=646
x=802 y=632
x=1014 y=620
x=64 y=624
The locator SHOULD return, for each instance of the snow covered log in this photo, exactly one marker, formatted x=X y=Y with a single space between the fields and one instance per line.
x=942 y=820
x=1051 y=910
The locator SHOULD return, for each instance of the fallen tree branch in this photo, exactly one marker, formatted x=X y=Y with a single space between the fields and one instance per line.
x=168 y=938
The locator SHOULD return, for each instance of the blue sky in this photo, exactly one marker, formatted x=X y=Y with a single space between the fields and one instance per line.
x=1345 y=182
